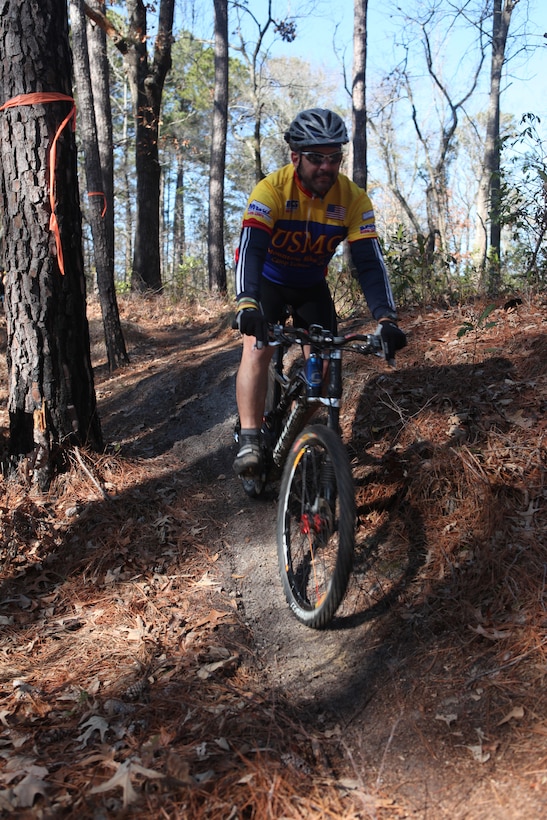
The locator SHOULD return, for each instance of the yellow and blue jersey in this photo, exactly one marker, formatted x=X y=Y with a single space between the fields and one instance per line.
x=304 y=231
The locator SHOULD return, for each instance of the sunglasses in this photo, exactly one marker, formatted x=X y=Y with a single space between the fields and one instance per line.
x=318 y=159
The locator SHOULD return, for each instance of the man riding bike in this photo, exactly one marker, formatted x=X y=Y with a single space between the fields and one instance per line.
x=295 y=219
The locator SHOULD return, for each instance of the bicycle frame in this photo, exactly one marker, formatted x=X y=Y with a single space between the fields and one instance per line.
x=291 y=391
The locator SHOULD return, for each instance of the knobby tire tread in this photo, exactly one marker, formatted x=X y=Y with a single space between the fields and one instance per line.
x=308 y=613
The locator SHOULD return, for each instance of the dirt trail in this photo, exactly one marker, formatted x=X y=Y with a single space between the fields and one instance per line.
x=357 y=681
x=311 y=665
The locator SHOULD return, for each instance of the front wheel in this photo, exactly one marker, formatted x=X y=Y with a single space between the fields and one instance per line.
x=316 y=525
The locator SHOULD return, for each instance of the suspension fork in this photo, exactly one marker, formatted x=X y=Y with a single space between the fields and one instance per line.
x=334 y=388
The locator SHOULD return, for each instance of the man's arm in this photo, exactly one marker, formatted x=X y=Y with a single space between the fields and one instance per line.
x=253 y=247
x=251 y=255
x=373 y=277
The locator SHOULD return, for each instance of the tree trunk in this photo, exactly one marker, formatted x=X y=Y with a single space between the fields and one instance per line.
x=147 y=87
x=51 y=395
x=257 y=143
x=179 y=228
x=358 y=158
x=358 y=96
x=488 y=200
x=98 y=205
x=127 y=209
x=437 y=167
x=100 y=72
x=216 y=260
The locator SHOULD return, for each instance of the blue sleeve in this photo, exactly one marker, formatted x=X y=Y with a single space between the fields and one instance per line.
x=373 y=277
x=253 y=247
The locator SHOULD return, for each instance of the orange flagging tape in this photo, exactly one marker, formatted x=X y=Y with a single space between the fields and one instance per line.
x=38 y=98
x=99 y=193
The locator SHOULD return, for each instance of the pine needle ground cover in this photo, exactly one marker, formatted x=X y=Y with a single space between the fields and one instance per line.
x=130 y=681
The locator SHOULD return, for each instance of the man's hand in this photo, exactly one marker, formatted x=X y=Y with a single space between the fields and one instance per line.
x=251 y=322
x=392 y=338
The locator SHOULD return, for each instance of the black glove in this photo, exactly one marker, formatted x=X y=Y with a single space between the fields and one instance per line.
x=251 y=322
x=392 y=338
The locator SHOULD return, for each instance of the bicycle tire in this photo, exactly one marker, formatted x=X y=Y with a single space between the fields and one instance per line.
x=316 y=525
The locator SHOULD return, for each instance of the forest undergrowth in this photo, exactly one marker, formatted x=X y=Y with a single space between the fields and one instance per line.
x=130 y=683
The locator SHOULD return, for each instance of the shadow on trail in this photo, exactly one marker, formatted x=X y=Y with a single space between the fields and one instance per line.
x=379 y=580
x=393 y=543
x=175 y=398
x=438 y=539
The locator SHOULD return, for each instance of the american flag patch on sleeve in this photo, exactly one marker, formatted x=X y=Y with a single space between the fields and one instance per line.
x=336 y=212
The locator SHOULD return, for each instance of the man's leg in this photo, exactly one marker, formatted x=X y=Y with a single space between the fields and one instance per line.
x=251 y=389
x=252 y=382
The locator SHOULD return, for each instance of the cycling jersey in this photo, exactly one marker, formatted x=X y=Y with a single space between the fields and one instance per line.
x=289 y=236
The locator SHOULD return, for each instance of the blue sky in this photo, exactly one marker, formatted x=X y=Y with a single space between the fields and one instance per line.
x=326 y=34
x=524 y=91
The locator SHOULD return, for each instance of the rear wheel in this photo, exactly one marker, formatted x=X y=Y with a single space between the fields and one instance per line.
x=316 y=525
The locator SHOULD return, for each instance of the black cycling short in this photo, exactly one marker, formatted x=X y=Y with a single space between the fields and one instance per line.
x=308 y=306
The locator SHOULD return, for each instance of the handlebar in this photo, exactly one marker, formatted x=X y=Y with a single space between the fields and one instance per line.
x=322 y=339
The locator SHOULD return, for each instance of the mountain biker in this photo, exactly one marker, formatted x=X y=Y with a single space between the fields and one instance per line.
x=294 y=220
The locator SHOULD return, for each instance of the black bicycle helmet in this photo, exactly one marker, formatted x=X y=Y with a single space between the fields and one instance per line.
x=316 y=126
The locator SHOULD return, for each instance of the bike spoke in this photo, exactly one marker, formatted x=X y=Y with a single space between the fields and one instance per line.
x=316 y=565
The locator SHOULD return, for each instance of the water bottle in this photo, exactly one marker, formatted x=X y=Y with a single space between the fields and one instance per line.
x=314 y=375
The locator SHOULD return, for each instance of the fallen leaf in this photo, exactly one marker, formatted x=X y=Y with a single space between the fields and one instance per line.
x=520 y=420
x=206 y=581
x=131 y=634
x=95 y=724
x=94 y=687
x=211 y=619
x=448 y=719
x=207 y=669
x=122 y=779
x=27 y=789
x=492 y=634
x=7 y=800
x=18 y=740
x=17 y=766
x=517 y=712
x=4 y=713
x=179 y=768
x=204 y=777
x=478 y=753
x=197 y=530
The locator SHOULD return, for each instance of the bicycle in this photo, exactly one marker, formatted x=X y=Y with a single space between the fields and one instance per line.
x=316 y=508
